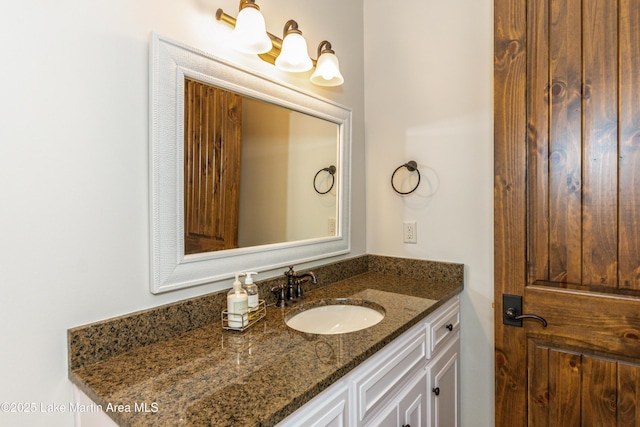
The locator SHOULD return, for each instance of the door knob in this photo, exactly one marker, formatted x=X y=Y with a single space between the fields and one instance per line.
x=512 y=314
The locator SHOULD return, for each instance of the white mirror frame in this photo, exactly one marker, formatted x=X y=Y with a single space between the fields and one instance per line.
x=171 y=269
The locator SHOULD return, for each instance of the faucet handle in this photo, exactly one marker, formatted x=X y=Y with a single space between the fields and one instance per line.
x=278 y=291
x=290 y=273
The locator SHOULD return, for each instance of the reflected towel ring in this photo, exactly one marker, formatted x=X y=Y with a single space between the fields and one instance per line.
x=411 y=166
x=332 y=171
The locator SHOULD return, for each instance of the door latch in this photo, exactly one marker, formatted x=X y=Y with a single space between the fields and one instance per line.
x=512 y=314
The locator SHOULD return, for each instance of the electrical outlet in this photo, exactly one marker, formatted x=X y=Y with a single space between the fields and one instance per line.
x=410 y=232
x=332 y=226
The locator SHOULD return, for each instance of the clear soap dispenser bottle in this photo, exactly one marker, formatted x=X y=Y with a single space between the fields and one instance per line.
x=237 y=305
x=252 y=290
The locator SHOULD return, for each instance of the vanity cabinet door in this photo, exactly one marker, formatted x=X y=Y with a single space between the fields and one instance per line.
x=409 y=408
x=413 y=404
x=332 y=410
x=380 y=379
x=443 y=373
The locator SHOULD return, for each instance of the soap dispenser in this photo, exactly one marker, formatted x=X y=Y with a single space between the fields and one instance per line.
x=252 y=290
x=237 y=305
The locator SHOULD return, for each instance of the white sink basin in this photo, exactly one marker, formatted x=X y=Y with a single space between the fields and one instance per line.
x=329 y=317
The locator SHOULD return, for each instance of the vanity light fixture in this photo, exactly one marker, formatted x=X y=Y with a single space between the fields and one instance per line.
x=293 y=56
x=327 y=72
x=250 y=32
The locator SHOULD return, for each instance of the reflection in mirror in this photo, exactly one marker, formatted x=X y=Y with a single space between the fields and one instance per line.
x=259 y=190
x=251 y=170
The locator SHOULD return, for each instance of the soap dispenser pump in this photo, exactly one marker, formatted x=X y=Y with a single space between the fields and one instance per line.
x=252 y=290
x=237 y=305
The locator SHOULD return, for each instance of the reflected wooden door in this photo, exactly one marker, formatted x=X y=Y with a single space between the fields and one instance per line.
x=212 y=129
x=567 y=212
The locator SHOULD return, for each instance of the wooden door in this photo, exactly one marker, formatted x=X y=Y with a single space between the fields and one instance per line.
x=212 y=143
x=567 y=211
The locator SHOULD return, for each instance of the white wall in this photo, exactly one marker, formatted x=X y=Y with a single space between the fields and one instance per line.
x=428 y=98
x=73 y=165
x=264 y=165
x=312 y=147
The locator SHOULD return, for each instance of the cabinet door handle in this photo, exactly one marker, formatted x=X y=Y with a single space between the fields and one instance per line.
x=449 y=327
x=436 y=391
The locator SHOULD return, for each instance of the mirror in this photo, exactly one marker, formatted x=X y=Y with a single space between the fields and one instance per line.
x=300 y=237
x=255 y=173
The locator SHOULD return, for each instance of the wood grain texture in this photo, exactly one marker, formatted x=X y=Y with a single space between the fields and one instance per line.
x=600 y=142
x=538 y=376
x=599 y=392
x=607 y=324
x=565 y=181
x=538 y=105
x=211 y=167
x=571 y=388
x=564 y=381
x=629 y=397
x=568 y=240
x=583 y=76
x=509 y=201
x=629 y=167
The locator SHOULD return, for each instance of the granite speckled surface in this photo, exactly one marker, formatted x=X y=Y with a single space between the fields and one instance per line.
x=201 y=375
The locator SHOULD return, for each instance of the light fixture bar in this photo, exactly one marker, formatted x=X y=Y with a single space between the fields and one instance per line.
x=270 y=56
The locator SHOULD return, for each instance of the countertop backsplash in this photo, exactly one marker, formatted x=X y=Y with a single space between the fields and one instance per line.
x=101 y=340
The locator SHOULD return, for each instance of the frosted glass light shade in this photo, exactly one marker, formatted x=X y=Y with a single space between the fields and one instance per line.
x=294 y=56
x=327 y=71
x=250 y=33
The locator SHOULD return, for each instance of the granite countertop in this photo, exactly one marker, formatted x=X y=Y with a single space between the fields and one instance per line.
x=214 y=377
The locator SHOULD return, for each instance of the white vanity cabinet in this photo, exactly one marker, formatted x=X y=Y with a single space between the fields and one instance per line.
x=413 y=381
x=409 y=408
x=328 y=409
x=443 y=385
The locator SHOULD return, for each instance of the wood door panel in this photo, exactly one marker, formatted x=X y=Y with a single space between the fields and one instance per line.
x=538 y=139
x=629 y=169
x=629 y=383
x=607 y=324
x=600 y=142
x=599 y=392
x=572 y=135
x=553 y=377
x=570 y=388
x=563 y=89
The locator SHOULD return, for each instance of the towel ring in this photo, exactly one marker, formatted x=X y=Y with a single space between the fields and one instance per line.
x=411 y=166
x=332 y=171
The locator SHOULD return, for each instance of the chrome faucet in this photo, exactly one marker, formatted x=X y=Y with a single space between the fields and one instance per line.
x=292 y=291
